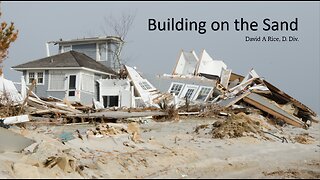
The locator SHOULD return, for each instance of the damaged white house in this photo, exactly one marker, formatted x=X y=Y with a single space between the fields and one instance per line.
x=77 y=76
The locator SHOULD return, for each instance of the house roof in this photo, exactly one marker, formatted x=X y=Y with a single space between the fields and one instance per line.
x=70 y=59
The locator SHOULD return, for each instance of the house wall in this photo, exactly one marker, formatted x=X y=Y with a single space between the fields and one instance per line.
x=82 y=94
x=116 y=87
x=91 y=49
x=163 y=83
x=39 y=89
x=88 y=49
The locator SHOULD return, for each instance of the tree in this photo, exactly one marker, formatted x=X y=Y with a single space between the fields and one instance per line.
x=119 y=27
x=8 y=34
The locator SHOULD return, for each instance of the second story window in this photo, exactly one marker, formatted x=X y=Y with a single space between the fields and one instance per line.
x=102 y=52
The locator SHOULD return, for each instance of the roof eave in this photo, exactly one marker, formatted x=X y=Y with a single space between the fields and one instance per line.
x=63 y=68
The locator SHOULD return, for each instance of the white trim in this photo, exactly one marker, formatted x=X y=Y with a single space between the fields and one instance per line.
x=76 y=85
x=96 y=71
x=64 y=68
x=35 y=77
x=97 y=52
x=49 y=68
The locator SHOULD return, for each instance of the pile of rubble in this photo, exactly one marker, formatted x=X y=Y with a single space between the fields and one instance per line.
x=235 y=99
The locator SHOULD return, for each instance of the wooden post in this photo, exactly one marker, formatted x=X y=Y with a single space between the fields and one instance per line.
x=28 y=94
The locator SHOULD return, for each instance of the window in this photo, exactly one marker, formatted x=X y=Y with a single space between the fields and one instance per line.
x=176 y=88
x=39 y=76
x=110 y=101
x=57 y=80
x=102 y=52
x=189 y=93
x=203 y=94
x=87 y=83
x=145 y=85
x=66 y=48
x=31 y=77
x=72 y=85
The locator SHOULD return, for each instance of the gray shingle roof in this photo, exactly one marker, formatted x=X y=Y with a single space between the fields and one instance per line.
x=67 y=59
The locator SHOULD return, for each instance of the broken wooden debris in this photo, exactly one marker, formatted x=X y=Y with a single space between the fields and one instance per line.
x=16 y=119
x=225 y=77
x=231 y=101
x=265 y=105
x=120 y=114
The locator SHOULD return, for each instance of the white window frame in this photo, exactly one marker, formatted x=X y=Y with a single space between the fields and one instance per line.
x=200 y=88
x=49 y=82
x=36 y=77
x=145 y=85
x=76 y=89
x=176 y=83
x=186 y=88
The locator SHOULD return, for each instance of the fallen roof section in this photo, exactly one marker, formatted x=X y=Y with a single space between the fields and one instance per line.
x=265 y=105
x=284 y=96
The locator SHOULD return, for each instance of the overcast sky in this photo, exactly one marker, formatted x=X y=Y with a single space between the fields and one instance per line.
x=291 y=66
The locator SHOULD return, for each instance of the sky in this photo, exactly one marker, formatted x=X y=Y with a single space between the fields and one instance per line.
x=291 y=66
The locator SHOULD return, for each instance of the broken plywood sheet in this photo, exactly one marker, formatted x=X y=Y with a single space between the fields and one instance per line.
x=225 y=77
x=8 y=89
x=16 y=119
x=209 y=66
x=280 y=94
x=265 y=105
x=186 y=64
x=13 y=142
x=252 y=74
x=231 y=101
x=144 y=88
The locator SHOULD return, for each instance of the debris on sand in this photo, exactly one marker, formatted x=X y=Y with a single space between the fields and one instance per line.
x=236 y=126
x=304 y=138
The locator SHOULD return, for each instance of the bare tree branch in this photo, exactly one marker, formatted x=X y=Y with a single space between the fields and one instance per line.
x=119 y=26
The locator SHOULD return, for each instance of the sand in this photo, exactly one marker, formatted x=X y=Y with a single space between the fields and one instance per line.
x=163 y=150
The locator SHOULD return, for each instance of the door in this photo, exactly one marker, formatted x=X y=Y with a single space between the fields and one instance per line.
x=72 y=86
